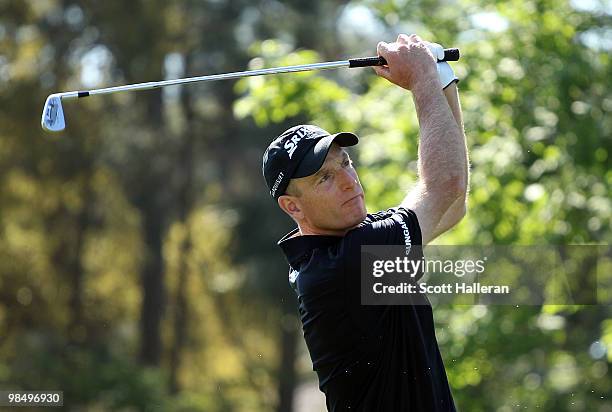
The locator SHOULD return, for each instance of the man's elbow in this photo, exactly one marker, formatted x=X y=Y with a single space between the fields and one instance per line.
x=456 y=213
x=462 y=210
x=456 y=189
x=457 y=206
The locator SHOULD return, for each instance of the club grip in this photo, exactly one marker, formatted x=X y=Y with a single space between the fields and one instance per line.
x=450 y=55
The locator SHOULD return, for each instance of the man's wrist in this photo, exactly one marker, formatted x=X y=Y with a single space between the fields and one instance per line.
x=428 y=97
x=424 y=88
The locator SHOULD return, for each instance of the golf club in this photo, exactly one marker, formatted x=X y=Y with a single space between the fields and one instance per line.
x=53 y=113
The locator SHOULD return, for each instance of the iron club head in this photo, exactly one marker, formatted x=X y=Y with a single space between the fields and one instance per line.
x=53 y=114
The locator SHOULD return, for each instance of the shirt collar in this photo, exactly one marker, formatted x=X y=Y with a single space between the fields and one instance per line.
x=296 y=248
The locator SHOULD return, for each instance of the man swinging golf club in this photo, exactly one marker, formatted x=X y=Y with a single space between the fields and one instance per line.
x=371 y=358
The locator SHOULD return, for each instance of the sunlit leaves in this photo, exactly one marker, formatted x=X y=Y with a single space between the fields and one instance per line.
x=535 y=102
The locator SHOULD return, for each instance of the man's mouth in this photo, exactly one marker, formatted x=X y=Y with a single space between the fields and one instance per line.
x=353 y=198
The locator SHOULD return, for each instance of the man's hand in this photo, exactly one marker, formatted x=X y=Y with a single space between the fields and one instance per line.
x=410 y=63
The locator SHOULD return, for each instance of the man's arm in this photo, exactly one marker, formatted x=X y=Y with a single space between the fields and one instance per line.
x=439 y=198
x=458 y=209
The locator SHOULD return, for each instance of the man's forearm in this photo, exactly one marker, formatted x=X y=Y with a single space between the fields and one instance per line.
x=457 y=209
x=452 y=97
x=442 y=163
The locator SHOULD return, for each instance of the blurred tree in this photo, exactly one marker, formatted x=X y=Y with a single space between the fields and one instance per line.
x=541 y=175
x=138 y=52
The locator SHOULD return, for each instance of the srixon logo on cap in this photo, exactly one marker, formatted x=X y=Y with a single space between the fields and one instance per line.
x=292 y=143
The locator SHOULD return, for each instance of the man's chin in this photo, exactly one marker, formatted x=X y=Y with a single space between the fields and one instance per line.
x=358 y=219
x=363 y=213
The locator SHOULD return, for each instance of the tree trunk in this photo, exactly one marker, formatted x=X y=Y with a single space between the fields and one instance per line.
x=185 y=199
x=76 y=327
x=153 y=211
x=153 y=289
x=286 y=373
x=180 y=317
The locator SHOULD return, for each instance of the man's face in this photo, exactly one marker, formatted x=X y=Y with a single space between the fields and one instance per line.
x=329 y=202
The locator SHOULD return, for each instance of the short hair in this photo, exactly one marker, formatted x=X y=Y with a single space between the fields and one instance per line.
x=292 y=189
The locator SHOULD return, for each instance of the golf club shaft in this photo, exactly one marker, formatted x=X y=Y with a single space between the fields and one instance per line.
x=449 y=55
x=212 y=77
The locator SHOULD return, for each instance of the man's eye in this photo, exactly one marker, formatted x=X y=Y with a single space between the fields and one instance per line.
x=347 y=163
x=323 y=178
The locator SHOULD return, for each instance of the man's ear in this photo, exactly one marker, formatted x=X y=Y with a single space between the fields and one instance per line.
x=291 y=206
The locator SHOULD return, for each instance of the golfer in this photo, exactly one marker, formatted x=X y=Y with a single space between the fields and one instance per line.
x=371 y=358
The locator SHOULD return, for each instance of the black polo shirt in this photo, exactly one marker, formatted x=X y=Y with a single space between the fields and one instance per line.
x=367 y=358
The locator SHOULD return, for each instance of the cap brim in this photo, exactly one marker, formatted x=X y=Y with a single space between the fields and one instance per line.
x=316 y=154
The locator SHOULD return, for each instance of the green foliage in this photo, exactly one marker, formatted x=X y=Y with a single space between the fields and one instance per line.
x=281 y=97
x=536 y=107
x=87 y=376
x=82 y=212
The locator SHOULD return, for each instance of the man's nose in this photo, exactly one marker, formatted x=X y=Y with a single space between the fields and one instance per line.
x=347 y=180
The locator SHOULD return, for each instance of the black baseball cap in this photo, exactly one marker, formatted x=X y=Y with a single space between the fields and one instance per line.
x=299 y=152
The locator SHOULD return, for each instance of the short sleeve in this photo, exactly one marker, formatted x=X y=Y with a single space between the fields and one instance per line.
x=395 y=226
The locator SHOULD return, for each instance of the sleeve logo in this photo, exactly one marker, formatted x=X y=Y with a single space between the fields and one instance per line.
x=407 y=238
